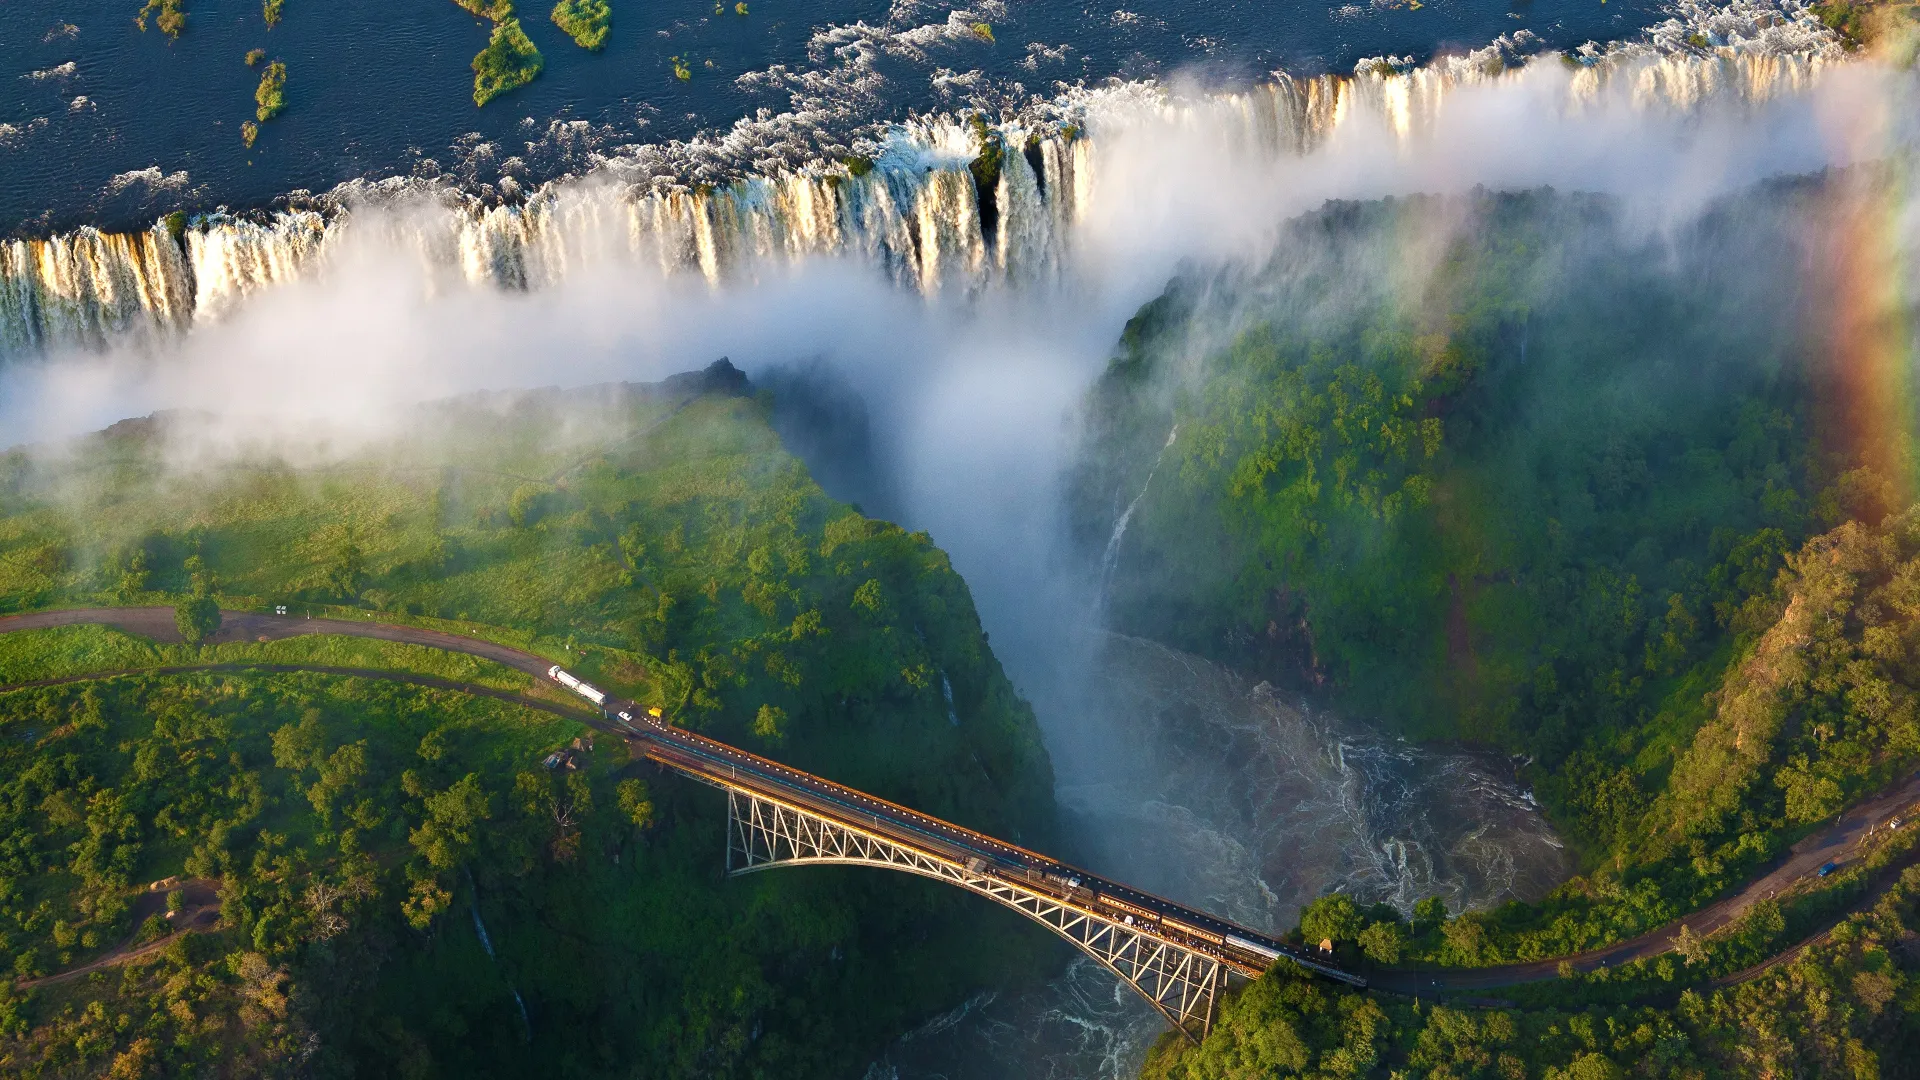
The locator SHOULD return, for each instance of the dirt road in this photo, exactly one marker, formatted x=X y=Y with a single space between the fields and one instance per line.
x=1839 y=842
x=157 y=623
x=199 y=911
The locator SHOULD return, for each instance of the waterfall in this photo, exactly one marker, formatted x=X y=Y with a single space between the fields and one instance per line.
x=1110 y=559
x=486 y=943
x=231 y=258
x=87 y=287
x=914 y=215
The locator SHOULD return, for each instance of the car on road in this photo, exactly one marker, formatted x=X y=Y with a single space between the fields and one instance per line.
x=1829 y=868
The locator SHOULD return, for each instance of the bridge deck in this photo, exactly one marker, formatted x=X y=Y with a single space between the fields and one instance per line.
x=718 y=763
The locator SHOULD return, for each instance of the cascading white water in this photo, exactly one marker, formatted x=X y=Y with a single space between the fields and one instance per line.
x=915 y=214
x=1110 y=558
x=88 y=287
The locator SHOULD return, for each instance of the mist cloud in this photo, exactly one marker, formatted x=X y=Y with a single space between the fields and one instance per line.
x=971 y=396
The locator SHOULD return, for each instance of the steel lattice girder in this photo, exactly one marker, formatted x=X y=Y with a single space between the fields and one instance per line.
x=1181 y=982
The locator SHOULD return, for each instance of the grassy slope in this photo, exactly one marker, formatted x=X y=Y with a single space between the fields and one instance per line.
x=665 y=546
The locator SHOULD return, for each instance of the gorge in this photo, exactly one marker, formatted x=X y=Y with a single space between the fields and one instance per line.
x=1484 y=400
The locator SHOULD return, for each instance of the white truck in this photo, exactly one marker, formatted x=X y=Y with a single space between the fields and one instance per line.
x=585 y=690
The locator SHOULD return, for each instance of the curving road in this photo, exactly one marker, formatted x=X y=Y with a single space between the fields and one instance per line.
x=157 y=623
x=1839 y=842
x=200 y=913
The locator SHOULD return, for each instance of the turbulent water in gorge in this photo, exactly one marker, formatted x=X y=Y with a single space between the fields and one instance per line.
x=1185 y=779
x=970 y=319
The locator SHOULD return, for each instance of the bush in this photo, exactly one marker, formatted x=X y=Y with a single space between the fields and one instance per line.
x=1383 y=942
x=270 y=11
x=1332 y=918
x=155 y=928
x=508 y=62
x=272 y=92
x=586 y=21
x=197 y=617
x=172 y=17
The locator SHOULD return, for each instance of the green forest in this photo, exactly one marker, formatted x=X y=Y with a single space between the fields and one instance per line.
x=404 y=888
x=1843 y=1009
x=1515 y=471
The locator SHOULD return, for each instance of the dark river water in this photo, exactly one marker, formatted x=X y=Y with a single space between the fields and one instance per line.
x=103 y=124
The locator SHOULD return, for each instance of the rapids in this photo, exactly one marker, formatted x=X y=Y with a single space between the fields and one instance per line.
x=916 y=217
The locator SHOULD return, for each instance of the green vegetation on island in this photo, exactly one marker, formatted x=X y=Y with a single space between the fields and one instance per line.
x=586 y=21
x=271 y=95
x=270 y=10
x=360 y=833
x=254 y=56
x=508 y=62
x=1421 y=465
x=497 y=10
x=169 y=15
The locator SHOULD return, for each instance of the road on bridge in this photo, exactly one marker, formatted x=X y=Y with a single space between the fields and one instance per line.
x=710 y=759
x=1837 y=842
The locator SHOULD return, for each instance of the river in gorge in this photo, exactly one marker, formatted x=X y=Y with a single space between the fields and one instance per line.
x=1181 y=777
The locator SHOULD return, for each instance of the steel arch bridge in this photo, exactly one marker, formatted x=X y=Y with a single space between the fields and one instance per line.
x=1181 y=981
x=1177 y=958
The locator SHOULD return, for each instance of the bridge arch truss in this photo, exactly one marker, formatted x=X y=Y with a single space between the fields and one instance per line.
x=1181 y=981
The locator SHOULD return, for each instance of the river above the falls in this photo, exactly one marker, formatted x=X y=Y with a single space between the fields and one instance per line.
x=103 y=124
x=1181 y=777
